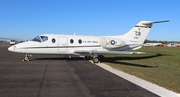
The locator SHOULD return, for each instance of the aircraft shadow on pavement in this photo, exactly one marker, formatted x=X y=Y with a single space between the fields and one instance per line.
x=58 y=58
x=114 y=60
x=108 y=59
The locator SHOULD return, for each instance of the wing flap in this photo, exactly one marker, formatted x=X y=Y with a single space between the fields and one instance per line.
x=105 y=52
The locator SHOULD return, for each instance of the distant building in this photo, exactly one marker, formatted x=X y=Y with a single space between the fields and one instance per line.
x=164 y=45
x=152 y=44
x=173 y=45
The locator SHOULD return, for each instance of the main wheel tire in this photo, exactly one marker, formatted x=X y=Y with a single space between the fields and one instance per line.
x=95 y=60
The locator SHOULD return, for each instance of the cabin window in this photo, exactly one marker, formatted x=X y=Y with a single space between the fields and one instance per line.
x=53 y=40
x=71 y=41
x=80 y=41
x=44 y=38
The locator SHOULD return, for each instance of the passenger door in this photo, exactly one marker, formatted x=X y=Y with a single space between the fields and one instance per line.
x=62 y=48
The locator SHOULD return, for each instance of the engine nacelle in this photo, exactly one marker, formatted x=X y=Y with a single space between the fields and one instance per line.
x=110 y=43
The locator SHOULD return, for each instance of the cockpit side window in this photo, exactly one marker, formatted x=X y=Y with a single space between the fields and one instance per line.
x=44 y=38
x=37 y=39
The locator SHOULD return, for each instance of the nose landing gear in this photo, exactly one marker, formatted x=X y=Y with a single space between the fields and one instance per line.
x=26 y=58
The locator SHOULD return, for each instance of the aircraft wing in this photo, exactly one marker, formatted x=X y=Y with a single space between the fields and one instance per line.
x=105 y=52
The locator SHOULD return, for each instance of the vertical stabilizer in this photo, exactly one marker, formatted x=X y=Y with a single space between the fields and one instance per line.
x=140 y=31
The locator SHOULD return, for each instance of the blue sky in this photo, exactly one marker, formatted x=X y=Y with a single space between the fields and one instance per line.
x=25 y=19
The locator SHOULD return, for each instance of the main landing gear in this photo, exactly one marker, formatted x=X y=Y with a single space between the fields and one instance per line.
x=26 y=58
x=87 y=57
x=95 y=58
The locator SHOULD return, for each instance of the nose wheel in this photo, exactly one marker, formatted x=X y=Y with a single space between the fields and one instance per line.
x=26 y=58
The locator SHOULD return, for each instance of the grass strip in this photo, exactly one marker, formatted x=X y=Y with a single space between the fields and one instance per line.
x=161 y=65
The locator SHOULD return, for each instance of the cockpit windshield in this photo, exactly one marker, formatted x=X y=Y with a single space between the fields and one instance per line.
x=40 y=39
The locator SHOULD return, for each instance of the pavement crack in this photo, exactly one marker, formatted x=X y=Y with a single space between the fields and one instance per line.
x=42 y=81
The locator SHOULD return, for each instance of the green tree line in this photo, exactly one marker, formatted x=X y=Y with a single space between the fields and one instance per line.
x=160 y=41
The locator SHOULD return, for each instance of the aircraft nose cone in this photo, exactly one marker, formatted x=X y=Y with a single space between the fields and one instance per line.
x=11 y=48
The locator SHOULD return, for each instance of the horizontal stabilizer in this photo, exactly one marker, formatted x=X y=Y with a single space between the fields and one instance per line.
x=148 y=23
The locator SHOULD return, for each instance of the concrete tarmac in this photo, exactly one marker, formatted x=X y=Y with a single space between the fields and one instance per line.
x=59 y=76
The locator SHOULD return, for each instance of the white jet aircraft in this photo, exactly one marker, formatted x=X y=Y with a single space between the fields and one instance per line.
x=87 y=46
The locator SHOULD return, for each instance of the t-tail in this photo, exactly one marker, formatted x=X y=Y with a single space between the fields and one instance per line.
x=139 y=32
